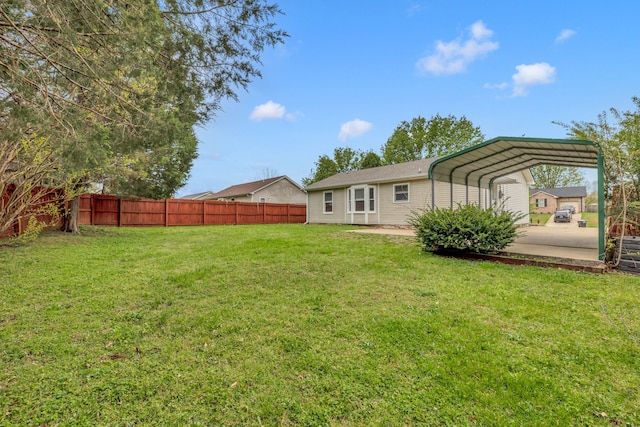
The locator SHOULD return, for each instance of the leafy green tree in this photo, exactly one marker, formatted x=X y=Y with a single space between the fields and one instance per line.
x=618 y=135
x=344 y=159
x=370 y=160
x=119 y=86
x=552 y=176
x=438 y=136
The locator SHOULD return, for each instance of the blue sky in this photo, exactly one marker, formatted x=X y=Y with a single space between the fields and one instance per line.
x=351 y=71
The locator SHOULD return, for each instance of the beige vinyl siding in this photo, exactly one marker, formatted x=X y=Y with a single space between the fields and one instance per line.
x=516 y=197
x=389 y=212
x=443 y=195
x=282 y=191
x=396 y=213
x=315 y=207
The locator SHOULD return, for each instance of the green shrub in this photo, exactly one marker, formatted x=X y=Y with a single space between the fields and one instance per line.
x=465 y=228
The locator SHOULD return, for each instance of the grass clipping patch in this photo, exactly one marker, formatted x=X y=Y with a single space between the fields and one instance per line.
x=467 y=228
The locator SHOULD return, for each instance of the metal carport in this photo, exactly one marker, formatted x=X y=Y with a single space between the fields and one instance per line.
x=479 y=166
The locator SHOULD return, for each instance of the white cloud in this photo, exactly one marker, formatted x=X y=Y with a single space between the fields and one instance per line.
x=533 y=74
x=454 y=56
x=354 y=128
x=272 y=111
x=564 y=35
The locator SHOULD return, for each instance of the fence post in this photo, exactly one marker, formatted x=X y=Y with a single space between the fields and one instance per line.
x=204 y=212
x=119 y=212
x=92 y=209
x=288 y=221
x=264 y=212
x=166 y=212
x=236 y=206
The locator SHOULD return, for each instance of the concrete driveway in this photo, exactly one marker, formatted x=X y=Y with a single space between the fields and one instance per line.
x=561 y=240
x=558 y=240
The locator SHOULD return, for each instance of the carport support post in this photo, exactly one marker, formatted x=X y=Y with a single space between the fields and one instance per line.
x=600 y=204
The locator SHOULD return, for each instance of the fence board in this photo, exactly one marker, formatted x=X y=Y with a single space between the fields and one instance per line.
x=185 y=212
x=42 y=198
x=98 y=209
x=105 y=210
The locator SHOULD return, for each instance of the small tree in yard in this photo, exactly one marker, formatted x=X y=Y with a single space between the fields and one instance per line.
x=467 y=228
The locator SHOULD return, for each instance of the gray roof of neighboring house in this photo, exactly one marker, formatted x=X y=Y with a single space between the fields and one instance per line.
x=197 y=196
x=250 y=187
x=400 y=171
x=563 y=192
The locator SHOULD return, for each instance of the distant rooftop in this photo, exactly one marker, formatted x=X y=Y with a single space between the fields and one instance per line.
x=563 y=192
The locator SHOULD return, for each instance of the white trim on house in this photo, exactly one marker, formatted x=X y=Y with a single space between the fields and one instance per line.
x=325 y=202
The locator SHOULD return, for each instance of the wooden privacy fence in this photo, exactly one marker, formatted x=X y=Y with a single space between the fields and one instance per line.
x=98 y=209
x=41 y=197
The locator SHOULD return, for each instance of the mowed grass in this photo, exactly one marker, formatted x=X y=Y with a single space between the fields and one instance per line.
x=539 y=219
x=305 y=325
x=591 y=218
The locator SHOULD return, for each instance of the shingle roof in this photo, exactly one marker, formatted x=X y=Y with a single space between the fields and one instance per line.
x=401 y=171
x=563 y=192
x=248 y=188
x=197 y=196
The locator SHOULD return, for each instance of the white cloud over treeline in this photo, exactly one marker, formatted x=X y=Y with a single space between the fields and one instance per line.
x=271 y=111
x=354 y=128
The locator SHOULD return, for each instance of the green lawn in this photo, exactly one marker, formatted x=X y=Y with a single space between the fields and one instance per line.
x=539 y=219
x=591 y=218
x=305 y=325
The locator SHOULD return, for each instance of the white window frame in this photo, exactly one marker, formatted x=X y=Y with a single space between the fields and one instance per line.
x=368 y=201
x=325 y=202
x=395 y=193
x=543 y=205
x=262 y=200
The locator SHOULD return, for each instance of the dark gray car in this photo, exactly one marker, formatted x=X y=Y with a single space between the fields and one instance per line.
x=562 y=216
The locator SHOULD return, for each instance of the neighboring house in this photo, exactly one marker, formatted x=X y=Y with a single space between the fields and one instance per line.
x=387 y=195
x=548 y=200
x=198 y=196
x=280 y=189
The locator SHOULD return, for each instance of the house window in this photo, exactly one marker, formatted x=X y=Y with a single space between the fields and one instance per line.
x=401 y=193
x=372 y=199
x=541 y=203
x=263 y=199
x=358 y=197
x=361 y=199
x=328 y=202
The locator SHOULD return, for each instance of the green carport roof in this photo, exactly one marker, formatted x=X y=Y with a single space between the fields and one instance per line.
x=480 y=165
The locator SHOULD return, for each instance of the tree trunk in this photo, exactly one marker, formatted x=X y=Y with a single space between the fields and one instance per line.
x=71 y=213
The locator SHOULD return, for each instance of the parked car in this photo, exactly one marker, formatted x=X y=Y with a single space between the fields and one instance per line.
x=569 y=208
x=562 y=215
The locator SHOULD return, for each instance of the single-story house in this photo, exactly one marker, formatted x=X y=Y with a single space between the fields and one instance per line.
x=387 y=195
x=548 y=200
x=280 y=189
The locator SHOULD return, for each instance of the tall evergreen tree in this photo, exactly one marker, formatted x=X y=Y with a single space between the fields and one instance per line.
x=118 y=87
